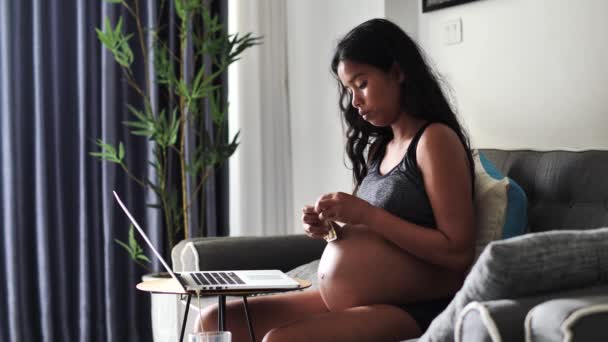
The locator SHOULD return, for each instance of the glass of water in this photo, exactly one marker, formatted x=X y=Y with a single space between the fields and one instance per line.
x=210 y=336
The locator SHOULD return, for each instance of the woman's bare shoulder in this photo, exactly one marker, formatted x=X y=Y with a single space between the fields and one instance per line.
x=438 y=131
x=439 y=141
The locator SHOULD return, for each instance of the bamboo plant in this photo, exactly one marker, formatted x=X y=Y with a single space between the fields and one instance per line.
x=213 y=51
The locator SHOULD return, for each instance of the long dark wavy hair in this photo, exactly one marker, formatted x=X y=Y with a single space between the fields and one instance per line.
x=381 y=43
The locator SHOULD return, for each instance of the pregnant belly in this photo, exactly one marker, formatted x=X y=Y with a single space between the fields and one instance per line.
x=362 y=268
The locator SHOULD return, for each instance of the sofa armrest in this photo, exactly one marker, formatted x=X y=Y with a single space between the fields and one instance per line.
x=574 y=318
x=283 y=252
x=504 y=319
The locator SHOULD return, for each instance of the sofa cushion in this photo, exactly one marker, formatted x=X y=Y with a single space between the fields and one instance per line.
x=510 y=268
x=500 y=204
x=503 y=319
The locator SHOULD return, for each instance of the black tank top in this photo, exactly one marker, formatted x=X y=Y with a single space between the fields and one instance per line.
x=401 y=191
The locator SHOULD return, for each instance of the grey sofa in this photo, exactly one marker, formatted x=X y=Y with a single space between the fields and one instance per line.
x=566 y=190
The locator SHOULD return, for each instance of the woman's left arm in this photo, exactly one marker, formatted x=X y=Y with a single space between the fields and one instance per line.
x=444 y=164
x=447 y=179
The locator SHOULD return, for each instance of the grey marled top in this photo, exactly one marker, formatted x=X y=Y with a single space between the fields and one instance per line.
x=401 y=191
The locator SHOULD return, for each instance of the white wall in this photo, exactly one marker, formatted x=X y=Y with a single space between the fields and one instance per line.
x=318 y=158
x=529 y=73
x=405 y=14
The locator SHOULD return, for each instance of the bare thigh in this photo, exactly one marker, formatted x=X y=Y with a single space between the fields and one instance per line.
x=363 y=323
x=266 y=312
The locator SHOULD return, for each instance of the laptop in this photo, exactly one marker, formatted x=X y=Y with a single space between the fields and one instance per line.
x=219 y=280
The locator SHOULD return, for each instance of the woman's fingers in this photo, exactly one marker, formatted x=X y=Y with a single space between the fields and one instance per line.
x=311 y=218
x=326 y=207
x=326 y=215
x=318 y=229
x=323 y=204
x=316 y=232
x=314 y=225
x=308 y=209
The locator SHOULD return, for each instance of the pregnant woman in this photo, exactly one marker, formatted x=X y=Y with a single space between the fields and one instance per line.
x=406 y=235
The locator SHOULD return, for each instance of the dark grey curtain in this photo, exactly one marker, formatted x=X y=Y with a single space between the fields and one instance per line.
x=64 y=278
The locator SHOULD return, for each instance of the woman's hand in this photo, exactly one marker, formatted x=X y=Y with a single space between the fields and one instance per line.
x=313 y=226
x=342 y=207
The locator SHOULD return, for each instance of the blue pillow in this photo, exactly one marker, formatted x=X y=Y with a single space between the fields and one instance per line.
x=516 y=221
x=500 y=204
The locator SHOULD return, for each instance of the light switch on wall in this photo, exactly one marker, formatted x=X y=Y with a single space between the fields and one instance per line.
x=452 y=32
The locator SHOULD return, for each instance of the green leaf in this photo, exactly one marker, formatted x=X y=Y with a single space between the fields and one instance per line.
x=198 y=79
x=108 y=27
x=121 y=151
x=102 y=37
x=138 y=114
x=125 y=246
x=138 y=250
x=108 y=152
x=217 y=115
x=118 y=28
x=143 y=133
x=136 y=124
x=134 y=248
x=182 y=89
x=174 y=128
x=164 y=66
x=143 y=257
x=132 y=241
x=113 y=1
x=179 y=9
x=144 y=125
x=239 y=45
x=116 y=42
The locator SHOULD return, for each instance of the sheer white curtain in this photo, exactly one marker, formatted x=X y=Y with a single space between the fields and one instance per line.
x=260 y=171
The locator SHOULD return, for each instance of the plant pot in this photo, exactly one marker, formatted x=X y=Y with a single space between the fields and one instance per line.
x=166 y=312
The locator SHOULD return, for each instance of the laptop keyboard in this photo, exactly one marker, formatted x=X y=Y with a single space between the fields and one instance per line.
x=216 y=278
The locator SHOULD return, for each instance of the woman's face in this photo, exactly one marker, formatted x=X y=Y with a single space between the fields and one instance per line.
x=374 y=93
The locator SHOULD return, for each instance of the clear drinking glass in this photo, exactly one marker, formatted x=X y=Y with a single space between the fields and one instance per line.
x=210 y=336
